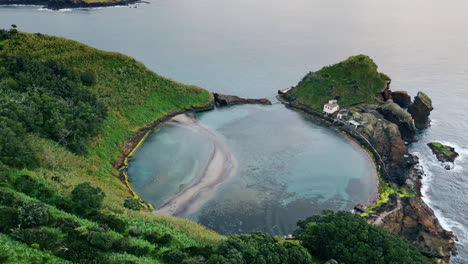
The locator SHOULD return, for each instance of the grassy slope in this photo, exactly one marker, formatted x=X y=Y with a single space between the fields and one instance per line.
x=355 y=80
x=135 y=96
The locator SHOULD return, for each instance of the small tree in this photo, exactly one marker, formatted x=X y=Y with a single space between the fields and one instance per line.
x=132 y=203
x=33 y=213
x=4 y=174
x=88 y=78
x=87 y=198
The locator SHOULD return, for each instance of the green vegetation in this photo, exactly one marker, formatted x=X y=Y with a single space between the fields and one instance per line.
x=353 y=81
x=66 y=112
x=347 y=238
x=445 y=150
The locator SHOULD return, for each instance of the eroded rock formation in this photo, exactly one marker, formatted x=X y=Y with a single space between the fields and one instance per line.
x=420 y=110
x=402 y=98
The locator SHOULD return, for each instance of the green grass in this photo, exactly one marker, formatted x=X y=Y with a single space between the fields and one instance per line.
x=353 y=81
x=135 y=96
x=442 y=149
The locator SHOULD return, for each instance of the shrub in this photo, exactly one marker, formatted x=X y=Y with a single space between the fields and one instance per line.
x=41 y=236
x=121 y=245
x=81 y=251
x=8 y=219
x=102 y=240
x=25 y=184
x=87 y=198
x=134 y=232
x=66 y=225
x=4 y=174
x=132 y=204
x=174 y=256
x=109 y=220
x=33 y=213
x=9 y=199
x=155 y=238
x=348 y=238
x=88 y=78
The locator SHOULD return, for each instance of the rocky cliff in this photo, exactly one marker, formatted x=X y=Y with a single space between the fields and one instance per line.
x=397 y=115
x=412 y=219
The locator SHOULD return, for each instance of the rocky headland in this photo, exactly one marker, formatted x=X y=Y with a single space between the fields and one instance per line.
x=228 y=100
x=445 y=154
x=384 y=128
x=62 y=4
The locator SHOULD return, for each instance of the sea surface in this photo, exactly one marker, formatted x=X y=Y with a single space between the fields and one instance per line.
x=251 y=48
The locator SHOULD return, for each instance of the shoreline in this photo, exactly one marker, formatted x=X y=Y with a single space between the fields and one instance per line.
x=220 y=166
x=51 y=5
x=137 y=139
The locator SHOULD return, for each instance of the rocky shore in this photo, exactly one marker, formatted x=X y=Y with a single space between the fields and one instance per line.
x=62 y=4
x=385 y=129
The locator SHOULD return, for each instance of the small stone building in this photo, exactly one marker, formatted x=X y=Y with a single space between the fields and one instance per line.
x=331 y=107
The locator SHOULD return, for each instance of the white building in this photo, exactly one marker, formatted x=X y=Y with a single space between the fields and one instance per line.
x=331 y=107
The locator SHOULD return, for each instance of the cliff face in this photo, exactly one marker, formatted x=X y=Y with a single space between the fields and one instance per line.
x=412 y=219
x=385 y=137
x=397 y=115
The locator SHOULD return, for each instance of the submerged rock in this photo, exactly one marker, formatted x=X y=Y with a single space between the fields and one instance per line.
x=226 y=100
x=420 y=110
x=402 y=98
x=397 y=115
x=445 y=154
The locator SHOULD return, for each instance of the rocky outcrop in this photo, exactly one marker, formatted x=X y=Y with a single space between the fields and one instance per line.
x=412 y=219
x=385 y=137
x=61 y=4
x=402 y=98
x=444 y=154
x=420 y=110
x=397 y=115
x=226 y=100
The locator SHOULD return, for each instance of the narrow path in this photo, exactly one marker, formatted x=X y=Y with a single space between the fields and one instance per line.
x=381 y=217
x=221 y=166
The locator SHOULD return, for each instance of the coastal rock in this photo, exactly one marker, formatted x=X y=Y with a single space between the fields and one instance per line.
x=420 y=110
x=445 y=154
x=386 y=139
x=412 y=219
x=402 y=98
x=397 y=115
x=61 y=4
x=385 y=95
x=226 y=100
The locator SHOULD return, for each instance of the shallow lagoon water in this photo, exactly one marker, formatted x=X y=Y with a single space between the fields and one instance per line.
x=289 y=168
x=251 y=48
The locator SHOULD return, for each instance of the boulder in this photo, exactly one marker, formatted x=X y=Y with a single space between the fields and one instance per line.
x=397 y=115
x=402 y=98
x=226 y=100
x=420 y=110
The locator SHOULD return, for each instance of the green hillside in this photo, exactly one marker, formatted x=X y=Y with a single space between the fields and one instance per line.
x=66 y=111
x=353 y=81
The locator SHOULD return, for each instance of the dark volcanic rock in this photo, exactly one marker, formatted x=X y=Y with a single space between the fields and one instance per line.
x=420 y=110
x=444 y=154
x=412 y=219
x=385 y=138
x=402 y=98
x=60 y=4
x=225 y=100
x=397 y=115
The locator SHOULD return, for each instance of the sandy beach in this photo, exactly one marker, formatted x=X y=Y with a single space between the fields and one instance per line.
x=221 y=166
